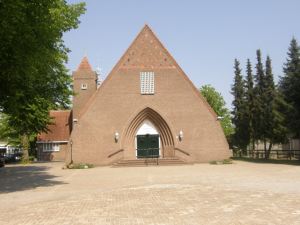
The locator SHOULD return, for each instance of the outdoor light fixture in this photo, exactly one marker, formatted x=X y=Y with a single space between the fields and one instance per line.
x=71 y=143
x=180 y=135
x=117 y=136
x=220 y=117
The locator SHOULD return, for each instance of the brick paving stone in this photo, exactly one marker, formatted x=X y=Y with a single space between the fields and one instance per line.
x=241 y=193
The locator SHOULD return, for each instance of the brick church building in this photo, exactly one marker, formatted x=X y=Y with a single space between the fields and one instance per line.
x=146 y=108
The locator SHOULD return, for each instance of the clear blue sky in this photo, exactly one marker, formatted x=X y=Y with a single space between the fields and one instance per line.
x=203 y=36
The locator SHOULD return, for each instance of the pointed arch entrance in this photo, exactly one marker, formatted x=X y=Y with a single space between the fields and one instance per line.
x=147 y=141
x=149 y=121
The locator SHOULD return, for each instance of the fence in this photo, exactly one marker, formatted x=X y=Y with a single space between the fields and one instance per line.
x=274 y=154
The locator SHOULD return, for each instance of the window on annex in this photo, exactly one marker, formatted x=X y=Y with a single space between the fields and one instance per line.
x=147 y=83
x=50 y=147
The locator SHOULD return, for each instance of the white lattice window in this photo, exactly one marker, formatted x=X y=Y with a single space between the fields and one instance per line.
x=50 y=147
x=84 y=86
x=147 y=83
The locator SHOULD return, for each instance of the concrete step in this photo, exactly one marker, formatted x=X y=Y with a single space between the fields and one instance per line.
x=149 y=162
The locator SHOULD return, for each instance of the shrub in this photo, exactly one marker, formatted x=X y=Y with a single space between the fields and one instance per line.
x=225 y=161
x=80 y=166
x=27 y=161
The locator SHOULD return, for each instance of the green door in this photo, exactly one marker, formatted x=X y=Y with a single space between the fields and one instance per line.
x=148 y=146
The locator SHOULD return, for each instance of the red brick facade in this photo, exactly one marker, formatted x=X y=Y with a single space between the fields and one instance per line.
x=84 y=86
x=118 y=107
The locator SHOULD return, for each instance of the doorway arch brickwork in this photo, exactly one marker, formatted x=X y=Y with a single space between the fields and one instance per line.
x=166 y=135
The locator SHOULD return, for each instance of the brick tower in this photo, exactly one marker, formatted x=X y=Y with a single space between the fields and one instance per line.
x=84 y=86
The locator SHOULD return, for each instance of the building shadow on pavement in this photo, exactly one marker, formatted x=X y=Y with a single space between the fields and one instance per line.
x=19 y=178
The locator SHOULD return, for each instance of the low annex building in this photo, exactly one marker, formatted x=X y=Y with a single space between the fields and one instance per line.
x=146 y=107
x=52 y=146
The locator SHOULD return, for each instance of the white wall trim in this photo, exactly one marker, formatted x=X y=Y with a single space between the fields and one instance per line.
x=41 y=142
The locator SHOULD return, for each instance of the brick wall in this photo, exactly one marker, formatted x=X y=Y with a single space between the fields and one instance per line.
x=118 y=102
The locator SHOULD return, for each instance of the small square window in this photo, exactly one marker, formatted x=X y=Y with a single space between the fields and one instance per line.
x=84 y=86
x=147 y=83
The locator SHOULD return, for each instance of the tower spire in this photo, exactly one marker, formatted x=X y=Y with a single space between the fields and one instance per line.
x=84 y=64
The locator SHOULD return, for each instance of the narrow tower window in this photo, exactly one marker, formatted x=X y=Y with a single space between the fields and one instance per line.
x=147 y=83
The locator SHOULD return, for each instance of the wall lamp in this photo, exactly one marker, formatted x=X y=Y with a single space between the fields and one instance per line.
x=180 y=136
x=117 y=136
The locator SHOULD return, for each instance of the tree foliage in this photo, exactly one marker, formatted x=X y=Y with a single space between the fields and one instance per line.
x=7 y=132
x=33 y=77
x=259 y=109
x=259 y=89
x=273 y=117
x=217 y=102
x=241 y=136
x=251 y=101
x=290 y=87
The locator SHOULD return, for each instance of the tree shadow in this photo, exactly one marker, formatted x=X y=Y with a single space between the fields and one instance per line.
x=19 y=178
x=269 y=161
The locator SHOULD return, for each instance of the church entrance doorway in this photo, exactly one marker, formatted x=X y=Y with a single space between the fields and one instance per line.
x=148 y=146
x=147 y=141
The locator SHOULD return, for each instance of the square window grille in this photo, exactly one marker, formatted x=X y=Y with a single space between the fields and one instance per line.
x=83 y=86
x=147 y=83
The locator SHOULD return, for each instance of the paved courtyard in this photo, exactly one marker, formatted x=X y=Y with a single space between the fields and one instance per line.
x=240 y=193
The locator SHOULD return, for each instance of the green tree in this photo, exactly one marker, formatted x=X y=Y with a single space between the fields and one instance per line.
x=33 y=77
x=250 y=103
x=7 y=133
x=241 y=135
x=274 y=119
x=290 y=87
x=217 y=102
x=259 y=91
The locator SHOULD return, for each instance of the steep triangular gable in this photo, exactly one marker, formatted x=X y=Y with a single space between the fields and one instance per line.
x=147 y=52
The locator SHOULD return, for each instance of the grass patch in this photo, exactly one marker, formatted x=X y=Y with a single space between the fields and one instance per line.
x=225 y=161
x=80 y=166
x=29 y=160
x=25 y=161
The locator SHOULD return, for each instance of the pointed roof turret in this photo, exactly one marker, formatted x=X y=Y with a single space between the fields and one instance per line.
x=84 y=64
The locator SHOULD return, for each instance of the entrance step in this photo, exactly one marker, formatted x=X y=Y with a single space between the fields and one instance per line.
x=149 y=162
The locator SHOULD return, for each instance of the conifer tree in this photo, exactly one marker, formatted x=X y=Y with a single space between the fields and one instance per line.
x=274 y=119
x=268 y=107
x=240 y=138
x=259 y=91
x=250 y=103
x=290 y=87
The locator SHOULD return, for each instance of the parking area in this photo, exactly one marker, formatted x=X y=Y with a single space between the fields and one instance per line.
x=239 y=193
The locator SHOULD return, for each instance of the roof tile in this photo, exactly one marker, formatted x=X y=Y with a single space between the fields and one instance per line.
x=60 y=129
